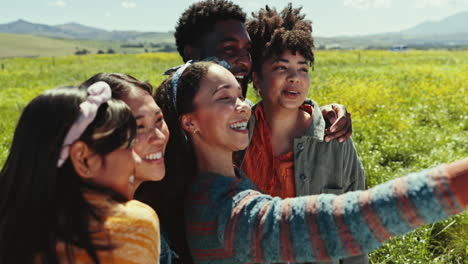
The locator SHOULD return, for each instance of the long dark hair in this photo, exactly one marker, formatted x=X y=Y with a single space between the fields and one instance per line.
x=40 y=204
x=167 y=196
x=179 y=149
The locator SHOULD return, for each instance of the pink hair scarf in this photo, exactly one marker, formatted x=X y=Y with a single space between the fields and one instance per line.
x=98 y=93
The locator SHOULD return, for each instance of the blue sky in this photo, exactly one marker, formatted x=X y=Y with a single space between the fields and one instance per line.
x=330 y=17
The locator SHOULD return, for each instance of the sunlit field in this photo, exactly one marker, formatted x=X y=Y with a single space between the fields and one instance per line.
x=409 y=111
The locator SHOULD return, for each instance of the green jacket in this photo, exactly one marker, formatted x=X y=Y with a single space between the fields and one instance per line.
x=323 y=167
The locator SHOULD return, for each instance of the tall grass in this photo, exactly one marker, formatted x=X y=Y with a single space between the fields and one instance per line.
x=410 y=111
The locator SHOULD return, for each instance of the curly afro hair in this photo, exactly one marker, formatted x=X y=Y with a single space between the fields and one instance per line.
x=272 y=33
x=200 y=18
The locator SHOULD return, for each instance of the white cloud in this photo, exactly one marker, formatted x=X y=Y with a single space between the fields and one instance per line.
x=58 y=3
x=366 y=4
x=128 y=4
x=436 y=3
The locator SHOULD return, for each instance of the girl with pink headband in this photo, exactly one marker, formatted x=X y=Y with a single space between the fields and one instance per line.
x=150 y=144
x=66 y=184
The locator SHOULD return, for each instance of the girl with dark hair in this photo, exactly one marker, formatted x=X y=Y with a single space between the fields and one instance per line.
x=152 y=132
x=66 y=184
x=288 y=155
x=228 y=220
x=150 y=144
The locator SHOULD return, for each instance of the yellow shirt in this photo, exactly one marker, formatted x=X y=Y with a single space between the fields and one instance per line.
x=133 y=229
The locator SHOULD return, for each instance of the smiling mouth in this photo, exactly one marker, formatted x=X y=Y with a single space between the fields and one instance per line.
x=154 y=157
x=240 y=78
x=239 y=126
x=240 y=73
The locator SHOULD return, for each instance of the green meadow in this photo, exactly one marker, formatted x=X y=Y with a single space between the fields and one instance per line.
x=16 y=45
x=409 y=112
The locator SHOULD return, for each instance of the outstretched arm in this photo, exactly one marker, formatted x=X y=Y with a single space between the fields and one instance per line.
x=253 y=227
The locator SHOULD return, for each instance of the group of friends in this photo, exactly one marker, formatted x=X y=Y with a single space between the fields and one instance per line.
x=111 y=171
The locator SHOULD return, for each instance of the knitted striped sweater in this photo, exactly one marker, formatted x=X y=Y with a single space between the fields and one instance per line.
x=229 y=221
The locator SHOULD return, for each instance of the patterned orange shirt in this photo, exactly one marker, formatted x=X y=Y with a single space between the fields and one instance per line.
x=133 y=228
x=273 y=175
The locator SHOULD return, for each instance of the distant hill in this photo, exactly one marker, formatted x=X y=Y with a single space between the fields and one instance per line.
x=384 y=41
x=457 y=23
x=78 y=31
x=16 y=45
x=450 y=32
x=449 y=26
x=23 y=38
x=24 y=27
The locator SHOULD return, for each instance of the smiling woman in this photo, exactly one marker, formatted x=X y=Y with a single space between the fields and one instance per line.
x=152 y=131
x=221 y=113
x=151 y=139
x=228 y=220
x=69 y=170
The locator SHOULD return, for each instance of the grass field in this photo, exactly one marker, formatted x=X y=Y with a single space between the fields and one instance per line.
x=410 y=111
x=15 y=45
